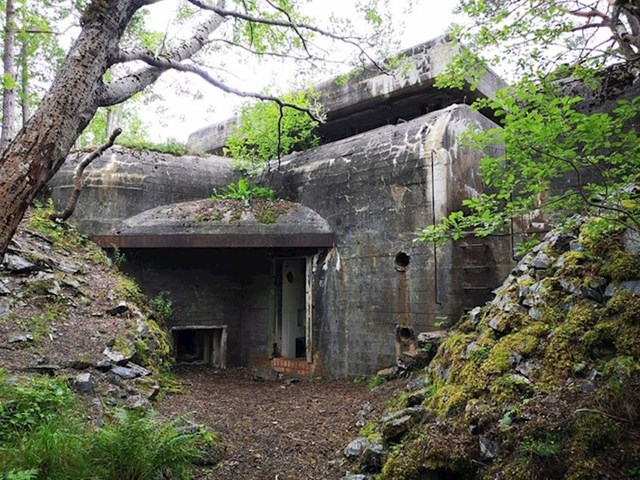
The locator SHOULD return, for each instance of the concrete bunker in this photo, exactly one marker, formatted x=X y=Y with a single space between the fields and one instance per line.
x=335 y=285
x=241 y=289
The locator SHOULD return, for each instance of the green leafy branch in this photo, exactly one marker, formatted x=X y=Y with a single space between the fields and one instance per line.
x=266 y=130
x=557 y=162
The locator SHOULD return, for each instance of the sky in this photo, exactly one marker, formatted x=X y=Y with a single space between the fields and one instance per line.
x=177 y=113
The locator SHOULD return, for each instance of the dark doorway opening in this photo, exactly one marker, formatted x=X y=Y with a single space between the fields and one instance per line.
x=200 y=345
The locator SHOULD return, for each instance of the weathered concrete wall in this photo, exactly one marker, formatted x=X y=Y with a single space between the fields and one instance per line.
x=375 y=190
x=375 y=98
x=212 y=287
x=125 y=182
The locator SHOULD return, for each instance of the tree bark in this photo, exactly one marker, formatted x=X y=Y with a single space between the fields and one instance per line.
x=41 y=147
x=9 y=94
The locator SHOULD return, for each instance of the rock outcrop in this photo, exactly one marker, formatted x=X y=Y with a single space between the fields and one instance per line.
x=542 y=382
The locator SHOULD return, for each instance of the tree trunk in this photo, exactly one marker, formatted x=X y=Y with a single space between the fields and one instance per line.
x=42 y=145
x=114 y=119
x=9 y=63
x=24 y=81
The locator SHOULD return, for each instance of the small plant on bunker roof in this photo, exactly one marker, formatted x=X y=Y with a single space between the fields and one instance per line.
x=243 y=190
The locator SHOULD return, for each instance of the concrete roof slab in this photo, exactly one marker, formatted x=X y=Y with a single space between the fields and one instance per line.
x=222 y=224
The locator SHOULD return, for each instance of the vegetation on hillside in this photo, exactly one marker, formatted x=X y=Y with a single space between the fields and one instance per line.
x=542 y=382
x=50 y=427
x=44 y=434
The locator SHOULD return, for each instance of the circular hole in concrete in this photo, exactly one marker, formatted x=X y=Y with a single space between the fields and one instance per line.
x=405 y=333
x=402 y=261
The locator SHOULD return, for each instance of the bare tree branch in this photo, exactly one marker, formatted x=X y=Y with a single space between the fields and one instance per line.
x=77 y=177
x=123 y=88
x=295 y=26
x=309 y=58
x=163 y=63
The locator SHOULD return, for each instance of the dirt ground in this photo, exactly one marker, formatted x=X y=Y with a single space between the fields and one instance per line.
x=276 y=429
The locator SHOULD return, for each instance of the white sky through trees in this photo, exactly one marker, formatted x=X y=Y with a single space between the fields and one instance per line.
x=178 y=113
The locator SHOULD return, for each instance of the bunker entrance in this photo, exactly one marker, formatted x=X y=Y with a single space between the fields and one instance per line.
x=198 y=345
x=291 y=328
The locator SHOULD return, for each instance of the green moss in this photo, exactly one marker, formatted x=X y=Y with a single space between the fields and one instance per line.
x=172 y=148
x=454 y=347
x=592 y=431
x=39 y=327
x=370 y=429
x=501 y=357
x=566 y=346
x=129 y=289
x=550 y=445
x=406 y=465
x=620 y=265
x=625 y=307
x=64 y=236
x=574 y=264
x=267 y=216
x=449 y=399
x=123 y=345
x=269 y=211
x=510 y=388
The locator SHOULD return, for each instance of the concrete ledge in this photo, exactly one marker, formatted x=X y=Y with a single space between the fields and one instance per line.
x=220 y=224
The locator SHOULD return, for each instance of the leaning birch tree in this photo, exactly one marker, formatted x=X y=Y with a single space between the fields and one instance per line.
x=263 y=27
x=9 y=92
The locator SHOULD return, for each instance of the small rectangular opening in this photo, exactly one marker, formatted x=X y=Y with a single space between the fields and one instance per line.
x=199 y=345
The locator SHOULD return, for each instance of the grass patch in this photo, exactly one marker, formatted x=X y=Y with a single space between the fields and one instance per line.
x=44 y=435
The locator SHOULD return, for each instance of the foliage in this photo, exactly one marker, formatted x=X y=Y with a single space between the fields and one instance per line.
x=162 y=304
x=243 y=190
x=375 y=381
x=548 y=144
x=172 y=147
x=536 y=39
x=266 y=131
x=40 y=52
x=138 y=446
x=117 y=257
x=64 y=236
x=19 y=475
x=129 y=289
x=26 y=406
x=44 y=435
x=550 y=159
